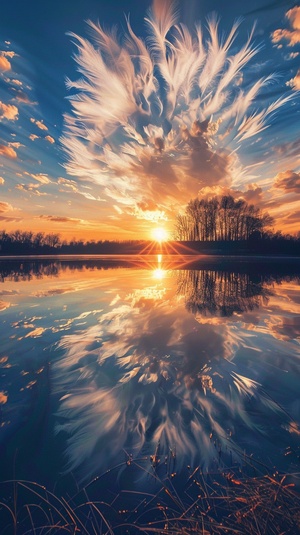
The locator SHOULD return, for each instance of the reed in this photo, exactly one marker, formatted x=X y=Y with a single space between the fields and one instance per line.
x=222 y=502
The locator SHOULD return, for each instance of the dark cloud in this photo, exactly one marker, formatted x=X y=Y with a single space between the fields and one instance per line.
x=253 y=195
x=60 y=219
x=21 y=96
x=288 y=180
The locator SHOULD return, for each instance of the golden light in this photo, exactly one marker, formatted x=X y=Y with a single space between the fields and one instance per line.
x=160 y=234
x=159 y=274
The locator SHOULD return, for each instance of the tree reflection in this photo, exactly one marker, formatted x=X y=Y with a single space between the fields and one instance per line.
x=221 y=293
x=149 y=374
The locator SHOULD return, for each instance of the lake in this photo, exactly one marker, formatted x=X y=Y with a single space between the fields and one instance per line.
x=124 y=375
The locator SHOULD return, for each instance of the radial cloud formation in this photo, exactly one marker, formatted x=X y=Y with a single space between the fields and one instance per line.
x=155 y=121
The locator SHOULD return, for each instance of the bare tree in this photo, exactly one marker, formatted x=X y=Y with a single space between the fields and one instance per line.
x=220 y=219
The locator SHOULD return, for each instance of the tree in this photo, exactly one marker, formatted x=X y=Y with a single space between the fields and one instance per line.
x=222 y=218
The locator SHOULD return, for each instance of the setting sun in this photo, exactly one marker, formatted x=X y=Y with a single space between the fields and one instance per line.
x=160 y=234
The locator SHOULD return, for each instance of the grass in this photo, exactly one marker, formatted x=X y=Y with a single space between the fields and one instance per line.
x=225 y=502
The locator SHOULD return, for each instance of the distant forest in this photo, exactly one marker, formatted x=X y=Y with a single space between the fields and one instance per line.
x=27 y=243
x=221 y=225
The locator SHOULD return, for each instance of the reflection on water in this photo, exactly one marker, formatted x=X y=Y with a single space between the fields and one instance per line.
x=201 y=361
x=221 y=293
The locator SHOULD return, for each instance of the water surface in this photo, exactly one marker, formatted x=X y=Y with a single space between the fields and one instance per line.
x=186 y=362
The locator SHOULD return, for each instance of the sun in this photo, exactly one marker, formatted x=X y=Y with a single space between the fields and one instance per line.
x=160 y=234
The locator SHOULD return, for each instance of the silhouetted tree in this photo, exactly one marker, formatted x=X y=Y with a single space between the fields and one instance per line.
x=222 y=218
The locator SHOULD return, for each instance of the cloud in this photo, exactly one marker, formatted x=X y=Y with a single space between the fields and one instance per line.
x=254 y=193
x=50 y=139
x=3 y=306
x=38 y=331
x=289 y=181
x=5 y=207
x=294 y=17
x=61 y=219
x=31 y=188
x=8 y=53
x=69 y=184
x=292 y=35
x=15 y=144
x=55 y=291
x=89 y=196
x=2 y=180
x=33 y=137
x=10 y=219
x=39 y=124
x=4 y=63
x=8 y=111
x=16 y=82
x=9 y=152
x=21 y=96
x=40 y=177
x=294 y=83
x=289 y=149
x=151 y=125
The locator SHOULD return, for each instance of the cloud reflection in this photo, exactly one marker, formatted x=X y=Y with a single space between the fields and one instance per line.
x=148 y=373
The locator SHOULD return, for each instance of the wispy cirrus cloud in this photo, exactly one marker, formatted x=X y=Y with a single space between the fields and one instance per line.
x=40 y=177
x=62 y=219
x=288 y=149
x=67 y=183
x=155 y=121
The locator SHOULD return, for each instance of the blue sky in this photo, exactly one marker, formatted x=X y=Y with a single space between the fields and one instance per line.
x=121 y=163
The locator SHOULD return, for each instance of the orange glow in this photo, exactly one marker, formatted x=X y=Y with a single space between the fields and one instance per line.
x=159 y=274
x=160 y=234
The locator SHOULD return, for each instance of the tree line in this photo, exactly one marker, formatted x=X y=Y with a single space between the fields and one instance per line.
x=220 y=219
x=27 y=242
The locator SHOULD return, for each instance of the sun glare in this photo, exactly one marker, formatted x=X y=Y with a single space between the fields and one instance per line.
x=159 y=274
x=160 y=234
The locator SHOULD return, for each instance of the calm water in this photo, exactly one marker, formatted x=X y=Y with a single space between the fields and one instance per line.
x=178 y=363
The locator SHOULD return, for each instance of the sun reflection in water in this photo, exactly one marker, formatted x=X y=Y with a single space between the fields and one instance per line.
x=159 y=274
x=149 y=372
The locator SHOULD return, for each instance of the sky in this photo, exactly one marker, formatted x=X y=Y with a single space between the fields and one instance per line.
x=113 y=115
